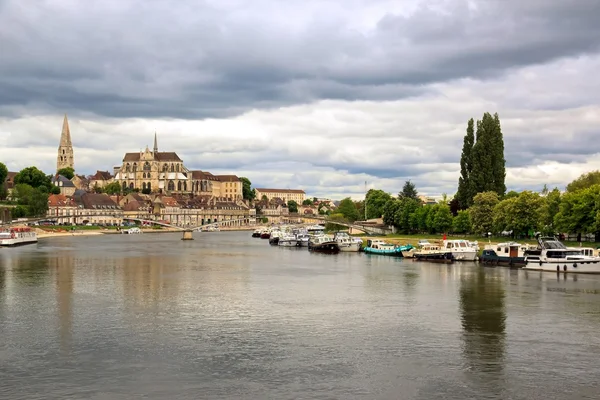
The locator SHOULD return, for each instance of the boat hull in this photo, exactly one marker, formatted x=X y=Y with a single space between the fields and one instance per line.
x=17 y=242
x=391 y=252
x=465 y=255
x=569 y=266
x=327 y=247
x=274 y=241
x=353 y=247
x=287 y=243
x=505 y=261
x=265 y=235
x=435 y=257
x=256 y=235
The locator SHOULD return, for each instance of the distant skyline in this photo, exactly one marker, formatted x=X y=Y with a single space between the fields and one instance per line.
x=342 y=93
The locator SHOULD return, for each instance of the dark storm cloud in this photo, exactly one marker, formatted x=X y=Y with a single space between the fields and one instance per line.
x=196 y=60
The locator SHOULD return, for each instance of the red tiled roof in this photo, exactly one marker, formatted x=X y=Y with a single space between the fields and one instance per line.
x=227 y=178
x=203 y=175
x=281 y=190
x=60 y=200
x=102 y=176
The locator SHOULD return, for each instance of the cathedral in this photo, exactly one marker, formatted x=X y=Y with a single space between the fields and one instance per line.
x=153 y=171
x=64 y=157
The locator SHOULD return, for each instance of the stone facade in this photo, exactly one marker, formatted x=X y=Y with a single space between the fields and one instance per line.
x=285 y=194
x=164 y=173
x=100 y=179
x=64 y=157
x=67 y=188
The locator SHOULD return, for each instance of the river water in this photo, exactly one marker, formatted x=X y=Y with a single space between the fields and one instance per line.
x=226 y=316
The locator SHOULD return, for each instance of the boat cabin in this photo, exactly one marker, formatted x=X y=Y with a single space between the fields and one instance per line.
x=379 y=244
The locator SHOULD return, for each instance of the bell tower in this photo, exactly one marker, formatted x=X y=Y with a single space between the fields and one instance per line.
x=64 y=158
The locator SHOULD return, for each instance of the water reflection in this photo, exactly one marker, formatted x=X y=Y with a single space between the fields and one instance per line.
x=483 y=317
x=62 y=265
x=31 y=272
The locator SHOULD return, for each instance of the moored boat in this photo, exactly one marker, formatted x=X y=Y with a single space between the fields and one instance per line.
x=323 y=244
x=132 y=231
x=287 y=240
x=378 y=246
x=347 y=243
x=553 y=256
x=18 y=236
x=433 y=253
x=461 y=249
x=256 y=233
x=508 y=254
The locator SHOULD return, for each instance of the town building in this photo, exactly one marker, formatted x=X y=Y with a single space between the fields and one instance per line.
x=81 y=182
x=9 y=182
x=100 y=179
x=165 y=173
x=61 y=209
x=284 y=194
x=67 y=188
x=64 y=158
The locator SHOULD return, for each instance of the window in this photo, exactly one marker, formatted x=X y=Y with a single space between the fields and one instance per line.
x=127 y=167
x=172 y=168
x=149 y=186
x=124 y=186
x=179 y=186
x=171 y=186
x=131 y=186
x=134 y=167
x=147 y=166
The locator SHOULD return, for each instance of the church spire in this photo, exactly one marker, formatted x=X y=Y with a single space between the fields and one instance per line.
x=155 y=143
x=64 y=157
x=65 y=136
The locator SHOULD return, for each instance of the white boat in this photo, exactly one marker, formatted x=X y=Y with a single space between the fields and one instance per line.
x=18 y=236
x=315 y=229
x=553 y=256
x=132 y=231
x=346 y=242
x=461 y=249
x=287 y=240
x=302 y=239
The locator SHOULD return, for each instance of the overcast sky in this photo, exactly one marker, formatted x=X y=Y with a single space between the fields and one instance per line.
x=319 y=95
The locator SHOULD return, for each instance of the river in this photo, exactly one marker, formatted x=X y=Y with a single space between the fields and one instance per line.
x=227 y=316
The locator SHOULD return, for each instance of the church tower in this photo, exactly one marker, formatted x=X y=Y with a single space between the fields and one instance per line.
x=155 y=150
x=65 y=148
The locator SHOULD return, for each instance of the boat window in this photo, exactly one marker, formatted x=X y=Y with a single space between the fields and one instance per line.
x=506 y=249
x=449 y=245
x=463 y=244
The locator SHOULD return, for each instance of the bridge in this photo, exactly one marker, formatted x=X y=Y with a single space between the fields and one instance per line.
x=365 y=228
x=371 y=230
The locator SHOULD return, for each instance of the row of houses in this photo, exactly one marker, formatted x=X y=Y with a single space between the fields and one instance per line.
x=180 y=210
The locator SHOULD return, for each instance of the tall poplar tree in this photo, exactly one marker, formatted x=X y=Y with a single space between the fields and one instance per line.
x=465 y=193
x=488 y=164
x=498 y=160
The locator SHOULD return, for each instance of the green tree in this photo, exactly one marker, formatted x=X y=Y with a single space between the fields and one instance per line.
x=389 y=211
x=360 y=209
x=465 y=193
x=54 y=190
x=292 y=206
x=578 y=211
x=442 y=218
x=511 y=194
x=419 y=218
x=146 y=190
x=33 y=177
x=403 y=214
x=488 y=171
x=584 y=181
x=22 y=193
x=3 y=173
x=409 y=191
x=307 y=202
x=498 y=160
x=332 y=226
x=482 y=211
x=112 y=188
x=375 y=201
x=519 y=214
x=38 y=204
x=19 y=212
x=347 y=209
x=247 y=192
x=462 y=222
x=67 y=172
x=550 y=207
